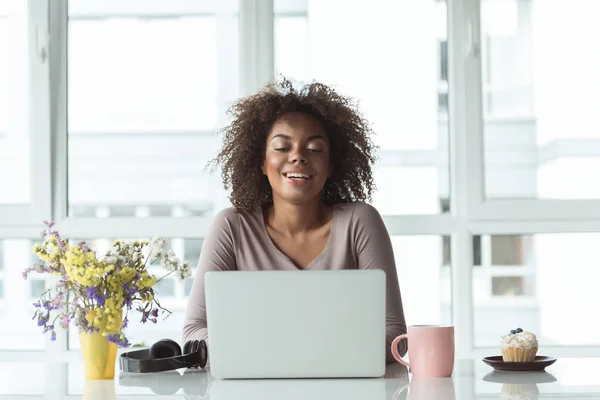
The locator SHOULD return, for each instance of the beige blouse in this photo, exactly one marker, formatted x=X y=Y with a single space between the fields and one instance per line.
x=238 y=240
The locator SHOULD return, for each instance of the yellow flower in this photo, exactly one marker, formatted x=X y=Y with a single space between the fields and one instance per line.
x=127 y=274
x=146 y=280
x=148 y=297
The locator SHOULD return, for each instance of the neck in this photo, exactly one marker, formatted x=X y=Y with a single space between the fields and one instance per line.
x=293 y=219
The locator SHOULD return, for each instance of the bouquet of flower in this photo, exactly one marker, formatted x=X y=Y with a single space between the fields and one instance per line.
x=94 y=293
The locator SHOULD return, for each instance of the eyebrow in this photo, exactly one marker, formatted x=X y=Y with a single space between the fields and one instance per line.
x=308 y=139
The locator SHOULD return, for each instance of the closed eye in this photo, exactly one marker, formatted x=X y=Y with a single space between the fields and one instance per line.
x=315 y=150
x=282 y=148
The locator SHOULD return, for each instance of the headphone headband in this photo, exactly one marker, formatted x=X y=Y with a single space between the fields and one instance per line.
x=140 y=361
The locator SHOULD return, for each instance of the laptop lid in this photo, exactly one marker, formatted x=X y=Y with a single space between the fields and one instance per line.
x=296 y=324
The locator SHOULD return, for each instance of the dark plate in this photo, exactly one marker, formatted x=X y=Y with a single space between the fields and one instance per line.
x=538 y=364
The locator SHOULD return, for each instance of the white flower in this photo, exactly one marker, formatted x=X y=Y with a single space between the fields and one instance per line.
x=111 y=259
x=159 y=244
x=184 y=272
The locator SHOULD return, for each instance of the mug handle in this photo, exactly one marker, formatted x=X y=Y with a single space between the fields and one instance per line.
x=395 y=350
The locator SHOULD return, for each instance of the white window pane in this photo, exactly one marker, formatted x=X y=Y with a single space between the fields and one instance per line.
x=406 y=190
x=402 y=100
x=292 y=48
x=17 y=298
x=17 y=382
x=544 y=295
x=14 y=104
x=145 y=97
x=131 y=74
x=418 y=262
x=542 y=90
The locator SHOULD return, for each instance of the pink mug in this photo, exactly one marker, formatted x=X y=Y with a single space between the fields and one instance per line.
x=430 y=350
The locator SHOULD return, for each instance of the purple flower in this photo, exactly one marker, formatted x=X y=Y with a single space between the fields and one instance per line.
x=120 y=340
x=49 y=224
x=84 y=246
x=98 y=297
x=43 y=234
x=53 y=336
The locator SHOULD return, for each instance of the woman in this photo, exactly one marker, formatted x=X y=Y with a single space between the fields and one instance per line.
x=298 y=163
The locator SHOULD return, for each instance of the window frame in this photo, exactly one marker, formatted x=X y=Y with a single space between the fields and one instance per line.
x=39 y=207
x=470 y=212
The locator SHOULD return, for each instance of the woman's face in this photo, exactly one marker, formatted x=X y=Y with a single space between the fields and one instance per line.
x=297 y=158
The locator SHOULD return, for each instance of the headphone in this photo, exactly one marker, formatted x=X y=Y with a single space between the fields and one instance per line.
x=165 y=355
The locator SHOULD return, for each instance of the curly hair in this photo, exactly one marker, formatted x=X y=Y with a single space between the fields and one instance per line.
x=244 y=143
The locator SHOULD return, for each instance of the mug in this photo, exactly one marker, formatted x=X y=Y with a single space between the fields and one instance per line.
x=430 y=350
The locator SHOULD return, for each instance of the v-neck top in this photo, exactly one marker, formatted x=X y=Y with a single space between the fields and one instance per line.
x=238 y=240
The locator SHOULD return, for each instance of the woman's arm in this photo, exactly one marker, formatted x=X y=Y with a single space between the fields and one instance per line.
x=374 y=251
x=217 y=254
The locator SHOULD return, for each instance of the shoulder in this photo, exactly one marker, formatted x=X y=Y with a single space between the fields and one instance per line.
x=359 y=219
x=357 y=212
x=231 y=218
x=225 y=216
x=364 y=226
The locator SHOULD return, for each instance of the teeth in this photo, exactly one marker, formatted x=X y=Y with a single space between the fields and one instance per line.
x=295 y=175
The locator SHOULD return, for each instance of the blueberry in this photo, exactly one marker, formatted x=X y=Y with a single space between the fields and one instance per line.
x=513 y=331
x=518 y=330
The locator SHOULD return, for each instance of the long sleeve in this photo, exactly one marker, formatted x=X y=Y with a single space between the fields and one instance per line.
x=218 y=254
x=374 y=251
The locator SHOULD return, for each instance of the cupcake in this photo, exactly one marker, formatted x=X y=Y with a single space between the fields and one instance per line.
x=519 y=346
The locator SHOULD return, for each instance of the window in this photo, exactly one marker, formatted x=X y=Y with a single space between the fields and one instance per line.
x=446 y=244
x=553 y=274
x=1 y=274
x=425 y=287
x=148 y=86
x=14 y=103
x=552 y=150
x=16 y=301
x=399 y=98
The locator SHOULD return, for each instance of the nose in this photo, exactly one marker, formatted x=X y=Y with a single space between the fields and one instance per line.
x=298 y=156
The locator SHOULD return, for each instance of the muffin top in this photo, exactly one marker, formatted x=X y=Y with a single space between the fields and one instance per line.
x=519 y=338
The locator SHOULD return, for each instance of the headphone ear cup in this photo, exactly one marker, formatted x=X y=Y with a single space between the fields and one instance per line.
x=197 y=346
x=190 y=346
x=165 y=348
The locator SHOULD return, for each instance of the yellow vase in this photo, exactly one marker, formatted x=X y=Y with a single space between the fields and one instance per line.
x=99 y=355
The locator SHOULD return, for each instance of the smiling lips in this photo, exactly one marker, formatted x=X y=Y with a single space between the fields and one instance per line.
x=297 y=177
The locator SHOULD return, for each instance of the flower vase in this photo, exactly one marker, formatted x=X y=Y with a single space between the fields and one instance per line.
x=99 y=355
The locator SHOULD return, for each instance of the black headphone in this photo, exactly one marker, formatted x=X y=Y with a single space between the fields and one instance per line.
x=165 y=355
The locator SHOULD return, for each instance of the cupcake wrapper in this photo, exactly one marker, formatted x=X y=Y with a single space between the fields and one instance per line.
x=518 y=354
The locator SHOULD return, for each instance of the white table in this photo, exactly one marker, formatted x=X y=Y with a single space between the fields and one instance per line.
x=472 y=379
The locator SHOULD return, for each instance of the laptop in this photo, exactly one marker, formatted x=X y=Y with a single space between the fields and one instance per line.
x=296 y=324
